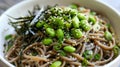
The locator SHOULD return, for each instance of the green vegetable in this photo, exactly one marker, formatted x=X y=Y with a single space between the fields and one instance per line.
x=7 y=37
x=85 y=25
x=81 y=16
x=88 y=54
x=92 y=19
x=70 y=49
x=67 y=35
x=47 y=41
x=40 y=24
x=97 y=56
x=82 y=22
x=108 y=25
x=56 y=64
x=68 y=25
x=34 y=53
x=73 y=12
x=93 y=13
x=75 y=22
x=57 y=46
x=77 y=33
x=9 y=46
x=46 y=26
x=73 y=6
x=50 y=32
x=60 y=34
x=62 y=53
x=116 y=50
x=59 y=22
x=65 y=17
x=84 y=62
x=52 y=9
x=108 y=35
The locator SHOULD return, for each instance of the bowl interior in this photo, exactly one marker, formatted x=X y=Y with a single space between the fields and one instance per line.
x=22 y=8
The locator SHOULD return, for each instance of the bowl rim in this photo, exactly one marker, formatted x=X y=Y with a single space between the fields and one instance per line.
x=28 y=1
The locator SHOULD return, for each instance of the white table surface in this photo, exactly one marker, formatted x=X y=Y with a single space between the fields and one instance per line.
x=5 y=4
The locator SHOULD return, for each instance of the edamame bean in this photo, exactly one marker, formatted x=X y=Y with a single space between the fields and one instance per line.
x=75 y=22
x=50 y=32
x=59 y=33
x=82 y=22
x=47 y=41
x=70 y=49
x=40 y=24
x=92 y=19
x=81 y=16
x=73 y=12
x=85 y=25
x=108 y=35
x=77 y=33
x=56 y=64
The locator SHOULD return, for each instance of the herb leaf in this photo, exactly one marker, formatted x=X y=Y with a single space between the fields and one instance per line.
x=97 y=56
x=84 y=62
x=7 y=37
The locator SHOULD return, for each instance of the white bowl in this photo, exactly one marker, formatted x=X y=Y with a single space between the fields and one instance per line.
x=22 y=8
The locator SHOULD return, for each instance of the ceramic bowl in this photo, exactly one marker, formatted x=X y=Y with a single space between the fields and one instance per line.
x=21 y=10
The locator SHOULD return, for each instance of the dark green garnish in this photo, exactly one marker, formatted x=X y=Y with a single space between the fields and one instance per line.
x=108 y=25
x=7 y=37
x=88 y=54
x=97 y=56
x=84 y=62
x=57 y=46
x=108 y=35
x=62 y=53
x=93 y=13
x=47 y=41
x=34 y=53
x=116 y=50
x=8 y=47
